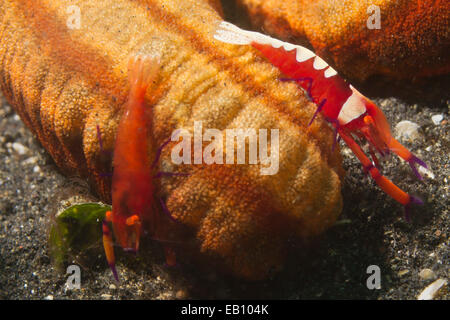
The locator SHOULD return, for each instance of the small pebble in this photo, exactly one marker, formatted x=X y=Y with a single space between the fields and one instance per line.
x=49 y=297
x=181 y=294
x=112 y=287
x=19 y=148
x=437 y=119
x=407 y=129
x=31 y=160
x=427 y=274
x=426 y=172
x=430 y=292
x=106 y=296
x=401 y=273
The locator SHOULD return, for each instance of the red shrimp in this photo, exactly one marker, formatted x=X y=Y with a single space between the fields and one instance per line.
x=132 y=183
x=350 y=113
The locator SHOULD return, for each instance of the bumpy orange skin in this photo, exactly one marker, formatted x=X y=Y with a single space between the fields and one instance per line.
x=413 y=41
x=65 y=82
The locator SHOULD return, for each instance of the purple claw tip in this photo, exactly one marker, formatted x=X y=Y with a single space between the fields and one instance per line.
x=166 y=265
x=166 y=211
x=412 y=163
x=114 y=271
x=420 y=162
x=416 y=172
x=106 y=174
x=412 y=201
x=415 y=200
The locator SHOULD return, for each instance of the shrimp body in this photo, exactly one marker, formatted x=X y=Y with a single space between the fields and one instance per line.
x=350 y=112
x=132 y=186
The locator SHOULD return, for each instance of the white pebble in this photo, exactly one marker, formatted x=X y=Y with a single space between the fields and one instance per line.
x=426 y=172
x=427 y=274
x=106 y=296
x=430 y=292
x=401 y=273
x=31 y=160
x=49 y=297
x=407 y=129
x=36 y=169
x=19 y=148
x=437 y=119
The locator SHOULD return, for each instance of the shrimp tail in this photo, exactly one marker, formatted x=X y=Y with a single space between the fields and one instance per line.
x=229 y=33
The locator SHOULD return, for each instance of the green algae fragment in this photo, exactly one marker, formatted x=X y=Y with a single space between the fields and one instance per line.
x=76 y=229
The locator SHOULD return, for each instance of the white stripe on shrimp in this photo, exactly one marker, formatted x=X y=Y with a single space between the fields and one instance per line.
x=229 y=33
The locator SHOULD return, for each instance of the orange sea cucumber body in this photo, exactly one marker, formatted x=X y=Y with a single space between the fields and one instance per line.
x=65 y=82
x=413 y=39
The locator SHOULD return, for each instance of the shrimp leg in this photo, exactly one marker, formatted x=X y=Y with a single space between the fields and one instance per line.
x=384 y=183
x=108 y=244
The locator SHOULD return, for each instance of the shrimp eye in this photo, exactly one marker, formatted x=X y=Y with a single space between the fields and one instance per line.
x=368 y=120
x=131 y=221
x=108 y=216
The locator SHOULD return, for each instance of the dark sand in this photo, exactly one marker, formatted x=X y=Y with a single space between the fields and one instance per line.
x=373 y=233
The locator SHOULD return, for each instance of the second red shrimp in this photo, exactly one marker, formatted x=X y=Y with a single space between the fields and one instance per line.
x=132 y=183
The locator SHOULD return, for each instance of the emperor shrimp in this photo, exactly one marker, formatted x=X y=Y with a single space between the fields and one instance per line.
x=344 y=107
x=132 y=182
